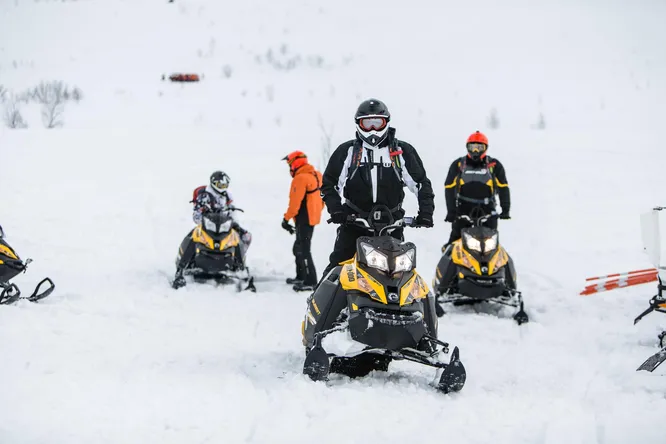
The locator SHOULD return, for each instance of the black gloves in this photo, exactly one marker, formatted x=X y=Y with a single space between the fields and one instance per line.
x=505 y=215
x=338 y=217
x=286 y=226
x=423 y=220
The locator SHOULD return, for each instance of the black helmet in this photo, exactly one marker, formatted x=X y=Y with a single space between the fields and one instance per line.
x=372 y=119
x=219 y=181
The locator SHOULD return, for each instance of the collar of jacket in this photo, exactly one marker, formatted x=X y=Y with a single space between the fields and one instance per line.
x=307 y=168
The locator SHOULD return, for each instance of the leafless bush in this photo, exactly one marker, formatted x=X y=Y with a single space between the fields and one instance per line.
x=49 y=92
x=76 y=95
x=12 y=114
x=52 y=96
x=3 y=93
x=493 y=119
x=227 y=70
x=52 y=114
x=541 y=123
x=326 y=146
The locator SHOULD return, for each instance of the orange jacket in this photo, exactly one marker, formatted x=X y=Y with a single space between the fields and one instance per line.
x=305 y=186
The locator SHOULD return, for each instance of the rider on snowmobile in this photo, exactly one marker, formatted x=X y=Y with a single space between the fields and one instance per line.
x=371 y=170
x=212 y=197
x=472 y=184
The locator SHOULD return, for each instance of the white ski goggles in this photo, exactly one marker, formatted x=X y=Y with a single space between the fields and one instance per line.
x=376 y=123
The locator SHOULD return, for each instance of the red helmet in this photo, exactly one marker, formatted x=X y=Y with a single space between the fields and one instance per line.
x=477 y=145
x=295 y=160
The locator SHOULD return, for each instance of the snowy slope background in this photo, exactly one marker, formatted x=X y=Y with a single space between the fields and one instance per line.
x=101 y=204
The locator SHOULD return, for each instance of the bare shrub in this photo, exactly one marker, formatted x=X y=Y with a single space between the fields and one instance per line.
x=326 y=146
x=12 y=114
x=493 y=119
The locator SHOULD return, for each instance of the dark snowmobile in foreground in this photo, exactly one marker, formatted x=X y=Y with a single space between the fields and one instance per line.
x=375 y=308
x=218 y=254
x=476 y=268
x=657 y=303
x=10 y=266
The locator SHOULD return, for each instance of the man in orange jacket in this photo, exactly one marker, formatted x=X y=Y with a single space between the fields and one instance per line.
x=305 y=207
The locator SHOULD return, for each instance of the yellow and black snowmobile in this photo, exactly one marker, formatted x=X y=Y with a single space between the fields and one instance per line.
x=218 y=253
x=10 y=266
x=476 y=268
x=375 y=308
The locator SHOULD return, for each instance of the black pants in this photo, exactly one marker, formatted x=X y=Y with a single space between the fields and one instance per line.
x=305 y=268
x=459 y=224
x=345 y=244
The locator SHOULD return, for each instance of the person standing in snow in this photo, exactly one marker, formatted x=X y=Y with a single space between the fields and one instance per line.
x=372 y=170
x=305 y=207
x=212 y=197
x=471 y=185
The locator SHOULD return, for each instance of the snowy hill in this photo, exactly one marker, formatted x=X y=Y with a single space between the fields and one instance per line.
x=101 y=205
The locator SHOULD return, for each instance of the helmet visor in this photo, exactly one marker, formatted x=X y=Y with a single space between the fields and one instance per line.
x=476 y=148
x=220 y=184
x=376 y=123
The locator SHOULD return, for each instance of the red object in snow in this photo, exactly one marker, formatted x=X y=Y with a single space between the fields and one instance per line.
x=181 y=77
x=619 y=280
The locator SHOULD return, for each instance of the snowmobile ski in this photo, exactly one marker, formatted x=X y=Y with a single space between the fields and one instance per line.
x=653 y=361
x=11 y=293
x=511 y=298
x=454 y=375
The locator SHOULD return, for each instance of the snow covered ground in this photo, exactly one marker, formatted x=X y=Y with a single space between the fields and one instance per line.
x=101 y=205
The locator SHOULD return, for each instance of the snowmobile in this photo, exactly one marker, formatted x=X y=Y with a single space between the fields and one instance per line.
x=218 y=254
x=375 y=308
x=10 y=266
x=475 y=269
x=657 y=303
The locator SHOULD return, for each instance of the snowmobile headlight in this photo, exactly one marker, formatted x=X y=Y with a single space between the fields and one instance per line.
x=491 y=243
x=404 y=262
x=472 y=243
x=209 y=224
x=225 y=227
x=374 y=258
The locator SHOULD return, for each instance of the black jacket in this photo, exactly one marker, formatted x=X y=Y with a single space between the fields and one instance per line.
x=460 y=195
x=365 y=177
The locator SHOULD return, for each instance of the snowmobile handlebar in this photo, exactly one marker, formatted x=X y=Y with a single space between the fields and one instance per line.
x=404 y=222
x=478 y=221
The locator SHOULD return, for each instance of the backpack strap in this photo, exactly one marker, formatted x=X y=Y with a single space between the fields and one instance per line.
x=318 y=184
x=357 y=154
x=394 y=154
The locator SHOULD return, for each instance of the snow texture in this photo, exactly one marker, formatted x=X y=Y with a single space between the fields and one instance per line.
x=101 y=204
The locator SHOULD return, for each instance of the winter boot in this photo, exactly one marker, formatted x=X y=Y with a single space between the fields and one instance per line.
x=301 y=286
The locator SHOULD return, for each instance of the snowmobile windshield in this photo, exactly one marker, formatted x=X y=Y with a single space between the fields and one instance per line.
x=217 y=222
